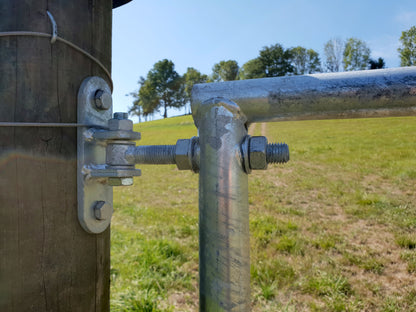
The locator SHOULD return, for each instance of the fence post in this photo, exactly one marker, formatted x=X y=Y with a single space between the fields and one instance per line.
x=47 y=261
x=223 y=195
x=224 y=260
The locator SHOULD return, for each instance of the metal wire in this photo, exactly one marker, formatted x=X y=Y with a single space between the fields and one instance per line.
x=75 y=47
x=44 y=124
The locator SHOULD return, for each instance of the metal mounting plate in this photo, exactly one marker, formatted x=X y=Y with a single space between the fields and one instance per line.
x=91 y=154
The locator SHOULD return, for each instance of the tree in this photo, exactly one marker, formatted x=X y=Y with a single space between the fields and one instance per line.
x=145 y=101
x=162 y=88
x=333 y=51
x=408 y=49
x=252 y=69
x=275 y=61
x=191 y=77
x=376 y=64
x=225 y=71
x=305 y=61
x=356 y=55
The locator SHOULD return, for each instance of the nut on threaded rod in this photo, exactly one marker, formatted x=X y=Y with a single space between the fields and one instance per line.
x=185 y=154
x=277 y=153
x=257 y=153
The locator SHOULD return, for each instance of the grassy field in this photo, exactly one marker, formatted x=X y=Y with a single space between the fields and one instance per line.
x=332 y=230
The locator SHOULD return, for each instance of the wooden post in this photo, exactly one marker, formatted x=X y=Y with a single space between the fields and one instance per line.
x=47 y=261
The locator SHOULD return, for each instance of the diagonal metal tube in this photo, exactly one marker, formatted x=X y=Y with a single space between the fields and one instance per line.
x=369 y=93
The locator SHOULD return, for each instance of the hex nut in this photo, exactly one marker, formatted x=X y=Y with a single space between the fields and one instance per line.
x=121 y=115
x=257 y=153
x=103 y=210
x=120 y=124
x=103 y=100
x=116 y=154
x=182 y=154
x=126 y=181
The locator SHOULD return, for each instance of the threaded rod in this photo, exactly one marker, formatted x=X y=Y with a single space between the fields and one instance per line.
x=153 y=154
x=277 y=153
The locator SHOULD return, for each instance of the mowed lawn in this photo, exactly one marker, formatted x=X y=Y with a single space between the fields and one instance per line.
x=332 y=230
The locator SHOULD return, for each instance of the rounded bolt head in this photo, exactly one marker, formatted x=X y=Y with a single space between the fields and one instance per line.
x=103 y=100
x=103 y=210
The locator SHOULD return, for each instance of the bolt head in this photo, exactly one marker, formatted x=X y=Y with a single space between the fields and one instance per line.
x=126 y=181
x=103 y=210
x=103 y=100
x=257 y=153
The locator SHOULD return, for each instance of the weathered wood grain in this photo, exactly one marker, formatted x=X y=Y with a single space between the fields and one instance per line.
x=47 y=261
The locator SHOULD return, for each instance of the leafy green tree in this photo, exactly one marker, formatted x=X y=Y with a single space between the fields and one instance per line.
x=333 y=51
x=145 y=100
x=408 y=49
x=225 y=71
x=273 y=61
x=376 y=64
x=356 y=54
x=276 y=61
x=305 y=61
x=191 y=77
x=252 y=69
x=163 y=88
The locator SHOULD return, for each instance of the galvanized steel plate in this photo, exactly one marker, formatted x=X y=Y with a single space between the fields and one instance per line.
x=91 y=155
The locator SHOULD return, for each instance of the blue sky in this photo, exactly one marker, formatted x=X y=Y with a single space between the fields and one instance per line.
x=195 y=33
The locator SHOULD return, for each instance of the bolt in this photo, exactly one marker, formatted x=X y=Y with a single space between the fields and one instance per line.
x=120 y=122
x=277 y=153
x=126 y=181
x=260 y=153
x=121 y=115
x=152 y=154
x=103 y=100
x=185 y=154
x=102 y=210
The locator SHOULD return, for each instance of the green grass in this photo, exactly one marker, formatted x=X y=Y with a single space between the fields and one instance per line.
x=332 y=230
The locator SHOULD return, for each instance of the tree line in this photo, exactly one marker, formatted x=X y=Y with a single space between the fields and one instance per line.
x=164 y=88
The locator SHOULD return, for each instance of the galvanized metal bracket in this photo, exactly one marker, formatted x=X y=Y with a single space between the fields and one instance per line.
x=90 y=155
x=95 y=177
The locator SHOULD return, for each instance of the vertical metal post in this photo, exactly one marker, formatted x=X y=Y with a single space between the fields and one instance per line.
x=224 y=252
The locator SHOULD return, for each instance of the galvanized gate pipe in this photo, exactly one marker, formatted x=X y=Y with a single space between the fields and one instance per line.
x=224 y=260
x=368 y=93
x=223 y=193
